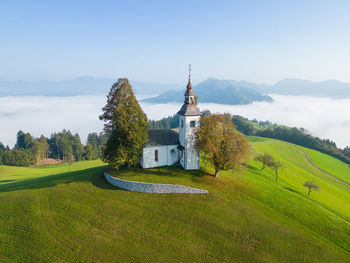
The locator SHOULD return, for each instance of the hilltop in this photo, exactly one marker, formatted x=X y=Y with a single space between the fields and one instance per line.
x=217 y=91
x=246 y=217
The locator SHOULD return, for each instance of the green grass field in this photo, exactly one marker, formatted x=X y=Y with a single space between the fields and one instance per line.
x=51 y=215
x=330 y=164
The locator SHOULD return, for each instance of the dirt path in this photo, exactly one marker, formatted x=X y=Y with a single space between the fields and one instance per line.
x=315 y=165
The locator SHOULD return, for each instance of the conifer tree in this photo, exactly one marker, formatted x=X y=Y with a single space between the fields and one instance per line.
x=125 y=126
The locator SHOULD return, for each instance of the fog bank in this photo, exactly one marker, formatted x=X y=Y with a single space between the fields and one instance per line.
x=326 y=118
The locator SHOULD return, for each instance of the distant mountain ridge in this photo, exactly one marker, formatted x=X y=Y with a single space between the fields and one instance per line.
x=217 y=91
x=87 y=85
x=300 y=87
x=78 y=86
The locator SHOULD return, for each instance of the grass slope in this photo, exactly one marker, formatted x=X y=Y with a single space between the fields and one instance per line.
x=50 y=215
x=330 y=164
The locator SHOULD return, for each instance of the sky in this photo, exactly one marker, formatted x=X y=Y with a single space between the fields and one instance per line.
x=52 y=114
x=154 y=41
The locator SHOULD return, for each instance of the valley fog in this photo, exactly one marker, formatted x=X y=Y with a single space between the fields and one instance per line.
x=322 y=117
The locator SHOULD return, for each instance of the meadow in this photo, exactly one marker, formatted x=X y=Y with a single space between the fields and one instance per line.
x=51 y=215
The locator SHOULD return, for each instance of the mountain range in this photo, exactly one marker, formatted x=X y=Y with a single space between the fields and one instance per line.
x=300 y=87
x=211 y=90
x=216 y=91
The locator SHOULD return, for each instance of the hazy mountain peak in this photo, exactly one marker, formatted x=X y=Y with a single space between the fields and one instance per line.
x=216 y=91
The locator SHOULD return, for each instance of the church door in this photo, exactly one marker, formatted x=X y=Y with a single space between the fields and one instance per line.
x=173 y=156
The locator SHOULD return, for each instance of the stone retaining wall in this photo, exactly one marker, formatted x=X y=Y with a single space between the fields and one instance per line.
x=153 y=188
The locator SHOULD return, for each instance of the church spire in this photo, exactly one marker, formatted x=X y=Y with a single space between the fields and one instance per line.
x=189 y=94
x=189 y=108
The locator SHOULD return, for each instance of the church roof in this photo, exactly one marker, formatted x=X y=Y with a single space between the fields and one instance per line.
x=162 y=137
x=189 y=90
x=189 y=110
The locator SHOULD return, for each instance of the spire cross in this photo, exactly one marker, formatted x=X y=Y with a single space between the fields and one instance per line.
x=189 y=71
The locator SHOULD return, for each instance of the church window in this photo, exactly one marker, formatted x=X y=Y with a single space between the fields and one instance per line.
x=156 y=155
x=192 y=124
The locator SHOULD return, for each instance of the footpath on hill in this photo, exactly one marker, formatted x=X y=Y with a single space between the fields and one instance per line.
x=315 y=165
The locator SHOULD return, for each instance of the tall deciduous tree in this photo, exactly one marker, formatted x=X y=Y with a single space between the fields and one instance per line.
x=220 y=143
x=125 y=126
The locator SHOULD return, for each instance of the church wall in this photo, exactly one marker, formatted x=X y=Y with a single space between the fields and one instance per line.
x=182 y=129
x=191 y=157
x=165 y=156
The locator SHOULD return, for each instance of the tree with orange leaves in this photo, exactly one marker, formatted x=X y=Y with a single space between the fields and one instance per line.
x=220 y=143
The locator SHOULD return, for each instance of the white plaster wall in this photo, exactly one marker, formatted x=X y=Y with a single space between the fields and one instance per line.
x=191 y=157
x=164 y=156
x=182 y=130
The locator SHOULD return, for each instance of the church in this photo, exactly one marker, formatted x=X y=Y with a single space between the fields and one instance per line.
x=169 y=147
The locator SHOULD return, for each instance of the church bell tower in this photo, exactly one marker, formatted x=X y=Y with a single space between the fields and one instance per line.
x=188 y=123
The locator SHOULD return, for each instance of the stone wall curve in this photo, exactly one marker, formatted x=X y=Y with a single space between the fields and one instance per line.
x=153 y=187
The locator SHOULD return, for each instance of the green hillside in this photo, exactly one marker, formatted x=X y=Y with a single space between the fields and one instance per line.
x=330 y=164
x=51 y=215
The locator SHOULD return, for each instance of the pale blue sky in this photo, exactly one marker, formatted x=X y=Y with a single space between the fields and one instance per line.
x=260 y=41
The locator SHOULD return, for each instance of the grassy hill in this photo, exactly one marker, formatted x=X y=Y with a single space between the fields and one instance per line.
x=48 y=214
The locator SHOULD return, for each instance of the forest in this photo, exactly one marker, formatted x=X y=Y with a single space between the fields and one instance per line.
x=63 y=146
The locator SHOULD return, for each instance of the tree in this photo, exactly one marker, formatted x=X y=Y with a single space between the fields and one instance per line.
x=276 y=165
x=24 y=140
x=78 y=148
x=88 y=151
x=2 y=151
x=221 y=144
x=266 y=159
x=312 y=186
x=125 y=126
x=69 y=157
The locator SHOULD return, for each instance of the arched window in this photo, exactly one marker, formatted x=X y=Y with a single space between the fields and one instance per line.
x=156 y=155
x=192 y=124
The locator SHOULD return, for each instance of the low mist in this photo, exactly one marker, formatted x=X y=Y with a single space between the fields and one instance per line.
x=322 y=117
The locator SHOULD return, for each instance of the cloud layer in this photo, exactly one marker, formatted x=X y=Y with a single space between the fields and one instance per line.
x=323 y=117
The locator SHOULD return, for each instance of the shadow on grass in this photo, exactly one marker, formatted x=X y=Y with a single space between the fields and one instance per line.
x=169 y=171
x=93 y=175
x=6 y=181
x=290 y=189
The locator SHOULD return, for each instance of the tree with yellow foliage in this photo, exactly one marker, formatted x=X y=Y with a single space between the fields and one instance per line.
x=221 y=145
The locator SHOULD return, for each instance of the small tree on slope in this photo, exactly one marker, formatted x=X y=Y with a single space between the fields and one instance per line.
x=221 y=144
x=265 y=159
x=125 y=126
x=312 y=186
x=276 y=165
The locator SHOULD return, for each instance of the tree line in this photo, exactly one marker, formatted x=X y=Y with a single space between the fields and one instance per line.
x=298 y=136
x=63 y=146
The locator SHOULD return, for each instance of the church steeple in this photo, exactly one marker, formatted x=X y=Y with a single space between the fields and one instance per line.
x=188 y=123
x=190 y=97
x=189 y=108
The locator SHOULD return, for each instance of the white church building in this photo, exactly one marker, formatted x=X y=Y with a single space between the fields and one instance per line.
x=169 y=147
